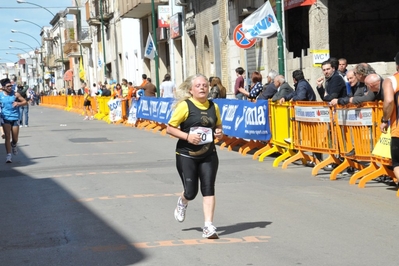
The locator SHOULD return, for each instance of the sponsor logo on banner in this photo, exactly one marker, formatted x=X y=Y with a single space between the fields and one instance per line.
x=155 y=109
x=132 y=118
x=355 y=117
x=312 y=114
x=244 y=119
x=261 y=24
x=240 y=119
x=115 y=110
x=255 y=116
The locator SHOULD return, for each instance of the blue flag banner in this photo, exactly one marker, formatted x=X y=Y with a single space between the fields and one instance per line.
x=155 y=109
x=246 y=120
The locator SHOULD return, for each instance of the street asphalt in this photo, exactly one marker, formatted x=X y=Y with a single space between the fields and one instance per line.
x=91 y=193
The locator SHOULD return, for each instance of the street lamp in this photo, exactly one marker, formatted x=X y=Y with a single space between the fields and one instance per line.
x=33 y=49
x=17 y=31
x=17 y=48
x=19 y=55
x=18 y=20
x=59 y=27
x=11 y=40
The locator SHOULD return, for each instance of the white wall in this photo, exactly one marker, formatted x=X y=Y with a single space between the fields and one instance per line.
x=132 y=60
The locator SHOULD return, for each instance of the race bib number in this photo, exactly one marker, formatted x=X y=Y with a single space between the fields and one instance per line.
x=205 y=133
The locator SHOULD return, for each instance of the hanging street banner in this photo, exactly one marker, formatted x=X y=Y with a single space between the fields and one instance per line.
x=149 y=50
x=261 y=24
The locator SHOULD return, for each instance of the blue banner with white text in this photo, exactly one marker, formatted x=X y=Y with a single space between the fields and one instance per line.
x=155 y=109
x=244 y=119
x=240 y=119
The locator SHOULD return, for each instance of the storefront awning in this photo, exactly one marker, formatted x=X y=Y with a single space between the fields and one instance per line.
x=68 y=76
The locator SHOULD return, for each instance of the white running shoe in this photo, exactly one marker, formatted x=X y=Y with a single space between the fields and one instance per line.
x=9 y=158
x=86 y=118
x=91 y=117
x=210 y=232
x=14 y=149
x=180 y=211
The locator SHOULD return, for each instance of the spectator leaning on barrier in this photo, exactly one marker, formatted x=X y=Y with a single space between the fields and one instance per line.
x=145 y=81
x=334 y=85
x=303 y=90
x=81 y=90
x=117 y=93
x=374 y=83
x=125 y=87
x=149 y=89
x=256 y=88
x=196 y=122
x=269 y=89
x=362 y=70
x=357 y=89
x=283 y=88
x=391 y=114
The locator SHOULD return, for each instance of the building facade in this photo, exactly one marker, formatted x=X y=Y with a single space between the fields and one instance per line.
x=110 y=38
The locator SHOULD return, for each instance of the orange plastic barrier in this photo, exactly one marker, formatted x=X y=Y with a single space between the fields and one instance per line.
x=355 y=136
x=313 y=131
x=379 y=166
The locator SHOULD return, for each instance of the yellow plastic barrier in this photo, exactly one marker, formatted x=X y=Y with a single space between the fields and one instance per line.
x=281 y=128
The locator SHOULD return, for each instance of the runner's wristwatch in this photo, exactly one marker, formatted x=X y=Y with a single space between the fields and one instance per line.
x=384 y=121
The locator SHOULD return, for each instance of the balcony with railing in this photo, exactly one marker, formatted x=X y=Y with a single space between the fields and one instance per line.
x=95 y=13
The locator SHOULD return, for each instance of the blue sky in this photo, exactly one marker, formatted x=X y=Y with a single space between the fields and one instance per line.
x=10 y=10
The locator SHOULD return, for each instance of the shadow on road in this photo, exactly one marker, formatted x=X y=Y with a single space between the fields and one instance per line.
x=231 y=229
x=43 y=224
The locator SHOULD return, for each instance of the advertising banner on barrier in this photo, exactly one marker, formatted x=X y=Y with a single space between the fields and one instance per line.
x=132 y=117
x=155 y=109
x=355 y=117
x=312 y=114
x=246 y=120
x=240 y=119
x=115 y=110
x=383 y=146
